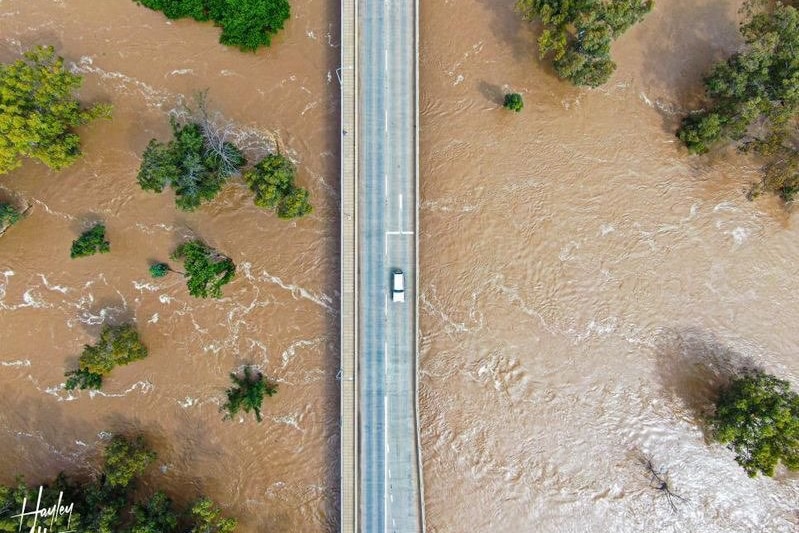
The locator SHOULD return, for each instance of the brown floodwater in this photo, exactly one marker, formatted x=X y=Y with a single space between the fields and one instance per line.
x=586 y=284
x=279 y=314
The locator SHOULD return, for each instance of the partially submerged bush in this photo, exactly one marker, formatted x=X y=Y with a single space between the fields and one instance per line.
x=90 y=242
x=118 y=345
x=206 y=269
x=272 y=182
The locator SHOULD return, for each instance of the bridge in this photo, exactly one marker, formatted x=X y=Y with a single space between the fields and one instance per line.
x=381 y=477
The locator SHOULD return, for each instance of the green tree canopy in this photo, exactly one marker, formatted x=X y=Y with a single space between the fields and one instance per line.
x=514 y=102
x=159 y=270
x=247 y=393
x=208 y=518
x=38 y=111
x=125 y=460
x=757 y=416
x=118 y=345
x=154 y=515
x=206 y=269
x=753 y=99
x=247 y=24
x=112 y=502
x=9 y=215
x=272 y=182
x=90 y=242
x=195 y=163
x=577 y=34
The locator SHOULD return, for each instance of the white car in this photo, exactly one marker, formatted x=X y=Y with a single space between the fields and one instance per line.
x=398 y=286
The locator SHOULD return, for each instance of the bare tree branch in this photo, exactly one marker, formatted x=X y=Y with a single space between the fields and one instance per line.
x=658 y=479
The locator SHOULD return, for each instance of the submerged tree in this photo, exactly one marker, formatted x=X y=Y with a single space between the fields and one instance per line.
x=195 y=163
x=757 y=416
x=39 y=111
x=247 y=24
x=659 y=480
x=753 y=99
x=272 y=182
x=90 y=242
x=113 y=502
x=206 y=269
x=118 y=345
x=9 y=215
x=577 y=34
x=208 y=518
x=125 y=460
x=247 y=393
x=159 y=270
x=514 y=102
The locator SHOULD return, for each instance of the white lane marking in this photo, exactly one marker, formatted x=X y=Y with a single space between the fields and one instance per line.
x=400 y=202
x=385 y=456
x=386 y=59
x=392 y=501
x=386 y=306
x=386 y=184
x=399 y=233
x=386 y=119
x=386 y=247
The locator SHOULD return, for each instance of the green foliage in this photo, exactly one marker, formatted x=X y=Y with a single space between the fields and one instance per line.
x=247 y=24
x=38 y=111
x=206 y=269
x=109 y=503
x=192 y=163
x=83 y=379
x=514 y=102
x=90 y=242
x=159 y=270
x=9 y=215
x=757 y=416
x=247 y=393
x=12 y=498
x=118 y=345
x=125 y=460
x=272 y=181
x=208 y=518
x=577 y=34
x=154 y=516
x=753 y=98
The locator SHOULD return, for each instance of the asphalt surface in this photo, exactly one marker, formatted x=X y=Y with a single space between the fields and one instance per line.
x=389 y=485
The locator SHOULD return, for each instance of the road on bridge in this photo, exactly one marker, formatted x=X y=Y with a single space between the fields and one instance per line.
x=390 y=485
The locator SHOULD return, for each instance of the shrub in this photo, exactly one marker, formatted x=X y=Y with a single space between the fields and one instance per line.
x=118 y=345
x=90 y=242
x=206 y=269
x=247 y=393
x=272 y=182
x=192 y=163
x=9 y=215
x=159 y=270
x=513 y=101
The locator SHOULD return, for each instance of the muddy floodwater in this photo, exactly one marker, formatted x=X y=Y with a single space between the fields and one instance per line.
x=585 y=282
x=279 y=314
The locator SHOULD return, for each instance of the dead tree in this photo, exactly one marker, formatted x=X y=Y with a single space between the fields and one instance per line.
x=658 y=479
